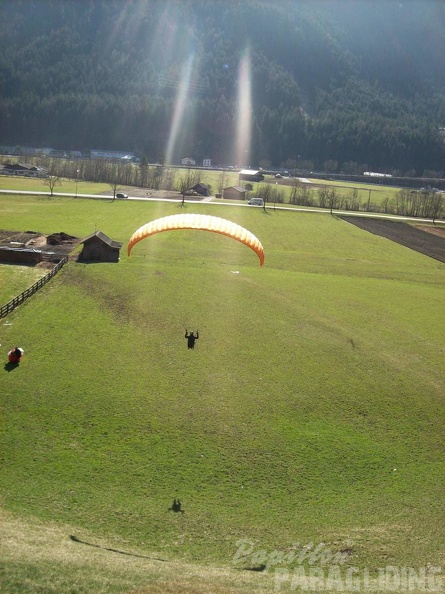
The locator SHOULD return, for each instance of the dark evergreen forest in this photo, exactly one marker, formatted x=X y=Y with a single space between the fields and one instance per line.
x=338 y=84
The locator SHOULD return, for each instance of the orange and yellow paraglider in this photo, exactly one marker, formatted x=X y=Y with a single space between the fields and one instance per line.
x=202 y=222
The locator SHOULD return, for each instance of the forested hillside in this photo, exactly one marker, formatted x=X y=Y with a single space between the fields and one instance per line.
x=343 y=84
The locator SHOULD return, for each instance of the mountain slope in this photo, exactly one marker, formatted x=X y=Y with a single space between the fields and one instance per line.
x=340 y=80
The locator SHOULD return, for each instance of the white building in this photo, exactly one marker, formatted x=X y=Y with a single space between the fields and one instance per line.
x=207 y=163
x=188 y=161
x=98 y=154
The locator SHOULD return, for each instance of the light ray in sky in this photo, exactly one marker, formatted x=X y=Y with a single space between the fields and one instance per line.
x=125 y=24
x=178 y=119
x=244 y=111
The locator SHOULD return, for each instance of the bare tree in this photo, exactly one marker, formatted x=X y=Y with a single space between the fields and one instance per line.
x=332 y=199
x=265 y=192
x=437 y=206
x=115 y=187
x=222 y=180
x=323 y=196
x=355 y=200
x=186 y=182
x=52 y=181
x=294 y=193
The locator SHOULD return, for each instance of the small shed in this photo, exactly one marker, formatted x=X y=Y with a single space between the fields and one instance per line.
x=20 y=255
x=98 y=247
x=201 y=189
x=234 y=193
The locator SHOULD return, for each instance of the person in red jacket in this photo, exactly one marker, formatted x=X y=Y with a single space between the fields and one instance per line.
x=15 y=355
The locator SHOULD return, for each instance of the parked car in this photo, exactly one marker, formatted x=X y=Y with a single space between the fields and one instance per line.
x=120 y=195
x=256 y=202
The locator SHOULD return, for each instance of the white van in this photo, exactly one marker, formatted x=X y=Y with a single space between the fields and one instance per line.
x=256 y=202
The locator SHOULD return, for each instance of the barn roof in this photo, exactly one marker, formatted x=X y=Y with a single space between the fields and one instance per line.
x=237 y=188
x=104 y=238
x=250 y=171
x=201 y=189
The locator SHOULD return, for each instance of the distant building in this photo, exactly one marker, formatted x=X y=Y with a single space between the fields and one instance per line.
x=252 y=175
x=201 y=189
x=188 y=161
x=23 y=150
x=207 y=162
x=99 y=154
x=23 y=169
x=374 y=174
x=234 y=193
x=98 y=247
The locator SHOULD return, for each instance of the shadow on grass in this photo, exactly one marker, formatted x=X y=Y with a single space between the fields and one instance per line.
x=10 y=366
x=89 y=544
x=258 y=568
x=176 y=506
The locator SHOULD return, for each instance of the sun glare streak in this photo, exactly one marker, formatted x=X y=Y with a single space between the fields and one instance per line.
x=244 y=113
x=179 y=109
x=125 y=24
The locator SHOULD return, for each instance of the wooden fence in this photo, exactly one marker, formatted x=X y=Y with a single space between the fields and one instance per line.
x=6 y=309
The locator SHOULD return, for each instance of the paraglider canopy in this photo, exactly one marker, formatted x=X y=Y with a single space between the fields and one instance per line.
x=201 y=222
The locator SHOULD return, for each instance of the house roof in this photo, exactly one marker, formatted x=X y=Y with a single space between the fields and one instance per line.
x=20 y=166
x=250 y=171
x=23 y=167
x=237 y=188
x=104 y=238
x=201 y=188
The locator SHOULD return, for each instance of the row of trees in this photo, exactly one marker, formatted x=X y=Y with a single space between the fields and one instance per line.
x=425 y=203
x=411 y=203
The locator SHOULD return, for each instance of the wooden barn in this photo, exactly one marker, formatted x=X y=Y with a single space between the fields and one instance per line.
x=201 y=189
x=98 y=247
x=234 y=193
x=20 y=255
x=251 y=175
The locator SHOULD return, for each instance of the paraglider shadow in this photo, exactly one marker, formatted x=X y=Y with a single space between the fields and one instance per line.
x=261 y=567
x=176 y=507
x=10 y=366
x=89 y=544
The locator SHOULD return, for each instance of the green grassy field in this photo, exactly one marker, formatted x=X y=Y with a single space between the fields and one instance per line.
x=310 y=411
x=67 y=186
x=15 y=279
x=376 y=193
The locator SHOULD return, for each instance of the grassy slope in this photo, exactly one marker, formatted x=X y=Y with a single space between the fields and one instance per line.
x=15 y=279
x=314 y=378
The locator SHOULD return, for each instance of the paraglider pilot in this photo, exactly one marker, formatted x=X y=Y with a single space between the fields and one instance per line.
x=191 y=338
x=15 y=355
